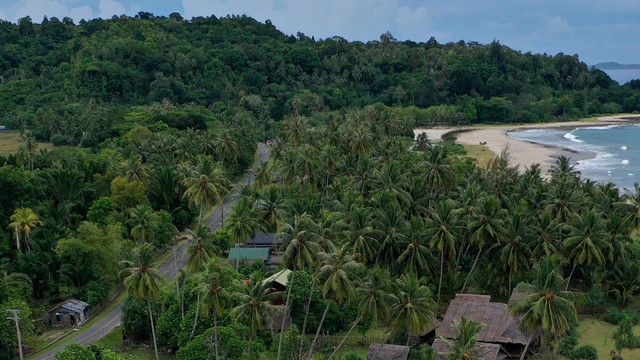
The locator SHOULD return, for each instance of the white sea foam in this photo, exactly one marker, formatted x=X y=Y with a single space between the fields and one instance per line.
x=624 y=162
x=623 y=147
x=572 y=137
x=630 y=174
x=607 y=127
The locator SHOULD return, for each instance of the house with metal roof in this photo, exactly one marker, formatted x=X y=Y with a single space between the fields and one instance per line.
x=249 y=255
x=269 y=240
x=71 y=313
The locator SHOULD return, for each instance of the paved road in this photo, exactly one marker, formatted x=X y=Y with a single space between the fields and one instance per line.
x=169 y=269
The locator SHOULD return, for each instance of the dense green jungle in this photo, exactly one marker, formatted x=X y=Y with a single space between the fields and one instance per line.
x=152 y=118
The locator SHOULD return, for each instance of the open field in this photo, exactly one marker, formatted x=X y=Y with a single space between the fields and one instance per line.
x=599 y=333
x=481 y=153
x=113 y=341
x=9 y=141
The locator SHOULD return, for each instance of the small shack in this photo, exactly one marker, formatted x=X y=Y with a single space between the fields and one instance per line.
x=269 y=240
x=278 y=283
x=499 y=327
x=3 y=127
x=71 y=313
x=388 y=352
x=249 y=255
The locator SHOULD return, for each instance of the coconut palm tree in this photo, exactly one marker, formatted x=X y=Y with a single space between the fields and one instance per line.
x=440 y=173
x=442 y=228
x=301 y=249
x=143 y=221
x=514 y=251
x=206 y=184
x=359 y=234
x=337 y=281
x=546 y=236
x=465 y=345
x=142 y=279
x=226 y=146
x=23 y=221
x=486 y=227
x=414 y=310
x=415 y=258
x=375 y=301
x=213 y=295
x=391 y=228
x=243 y=223
x=547 y=306
x=587 y=240
x=200 y=248
x=263 y=175
x=28 y=146
x=254 y=309
x=268 y=204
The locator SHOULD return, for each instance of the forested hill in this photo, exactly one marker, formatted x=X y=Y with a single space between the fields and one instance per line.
x=63 y=78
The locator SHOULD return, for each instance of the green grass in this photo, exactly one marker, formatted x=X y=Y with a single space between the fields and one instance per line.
x=481 y=153
x=113 y=341
x=598 y=333
x=9 y=141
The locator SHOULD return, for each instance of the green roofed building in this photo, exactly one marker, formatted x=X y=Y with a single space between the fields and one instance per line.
x=249 y=255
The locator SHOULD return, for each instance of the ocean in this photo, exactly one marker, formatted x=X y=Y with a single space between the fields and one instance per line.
x=615 y=149
x=623 y=76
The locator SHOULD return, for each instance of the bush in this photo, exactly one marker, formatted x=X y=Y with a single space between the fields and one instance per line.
x=60 y=140
x=584 y=352
x=566 y=345
x=352 y=356
x=230 y=345
x=615 y=316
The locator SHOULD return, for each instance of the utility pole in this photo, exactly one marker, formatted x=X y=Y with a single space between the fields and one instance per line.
x=16 y=319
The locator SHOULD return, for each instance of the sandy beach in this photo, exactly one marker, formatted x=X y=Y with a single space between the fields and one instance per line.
x=522 y=153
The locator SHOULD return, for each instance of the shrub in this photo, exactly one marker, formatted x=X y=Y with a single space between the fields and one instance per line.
x=584 y=352
x=352 y=356
x=615 y=315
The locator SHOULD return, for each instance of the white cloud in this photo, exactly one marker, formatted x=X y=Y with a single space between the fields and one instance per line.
x=108 y=8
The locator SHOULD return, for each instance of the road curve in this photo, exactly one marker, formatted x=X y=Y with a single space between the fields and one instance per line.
x=169 y=269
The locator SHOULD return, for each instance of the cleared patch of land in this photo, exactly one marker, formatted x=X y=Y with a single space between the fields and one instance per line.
x=598 y=333
x=481 y=153
x=10 y=140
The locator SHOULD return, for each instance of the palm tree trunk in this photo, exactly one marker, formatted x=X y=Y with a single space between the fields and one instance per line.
x=471 y=271
x=215 y=334
x=345 y=337
x=153 y=330
x=306 y=317
x=510 y=271
x=575 y=263
x=315 y=338
x=384 y=342
x=195 y=322
x=18 y=240
x=286 y=313
x=461 y=250
x=526 y=347
x=441 y=272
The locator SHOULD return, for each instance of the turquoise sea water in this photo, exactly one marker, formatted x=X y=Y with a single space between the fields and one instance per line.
x=616 y=150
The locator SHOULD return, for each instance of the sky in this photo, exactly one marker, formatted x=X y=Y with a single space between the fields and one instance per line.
x=596 y=30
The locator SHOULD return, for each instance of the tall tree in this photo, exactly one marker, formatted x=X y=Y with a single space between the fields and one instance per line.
x=23 y=221
x=442 y=227
x=546 y=306
x=206 y=184
x=142 y=279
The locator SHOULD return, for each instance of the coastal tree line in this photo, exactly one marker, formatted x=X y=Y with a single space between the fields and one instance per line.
x=153 y=117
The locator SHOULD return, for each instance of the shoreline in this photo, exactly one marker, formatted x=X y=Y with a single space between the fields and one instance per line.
x=523 y=153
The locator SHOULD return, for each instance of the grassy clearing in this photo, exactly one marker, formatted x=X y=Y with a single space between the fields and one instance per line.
x=113 y=341
x=598 y=333
x=9 y=141
x=481 y=153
